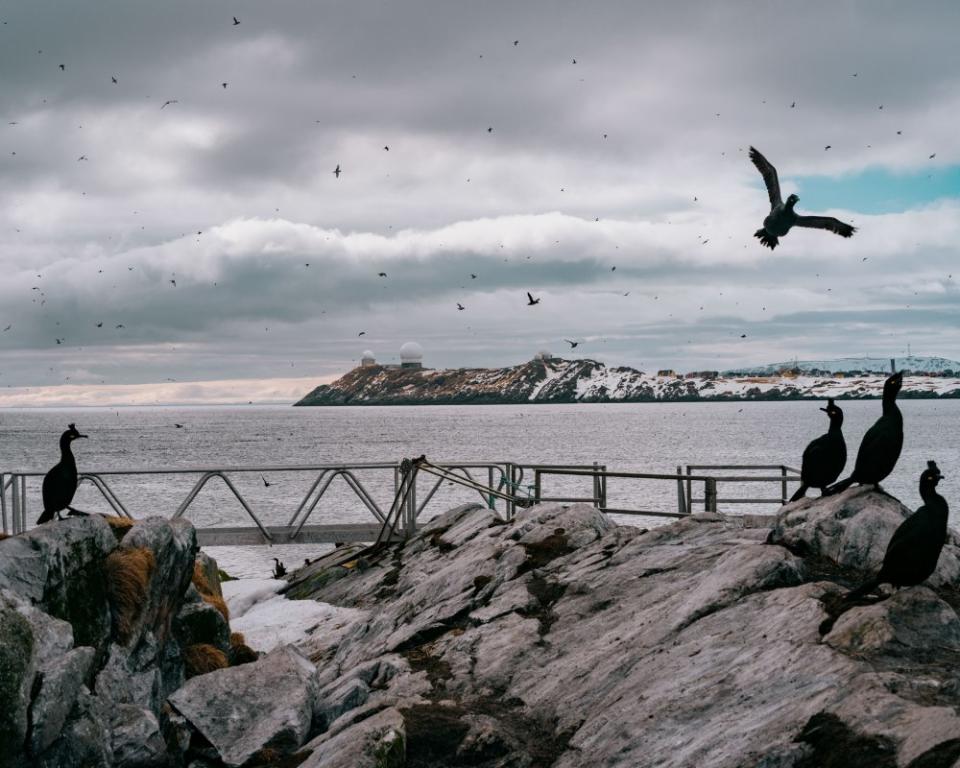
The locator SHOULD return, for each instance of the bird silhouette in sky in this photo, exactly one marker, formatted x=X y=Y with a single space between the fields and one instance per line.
x=236 y=21
x=173 y=283
x=473 y=276
x=7 y=328
x=178 y=426
x=530 y=300
x=119 y=325
x=573 y=344
x=100 y=325
x=265 y=483
x=460 y=306
x=381 y=274
x=362 y=333
x=63 y=67
x=782 y=216
x=336 y=171
x=113 y=80
x=168 y=102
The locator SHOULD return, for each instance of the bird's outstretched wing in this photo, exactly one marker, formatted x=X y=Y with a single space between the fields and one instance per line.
x=769 y=174
x=826 y=222
x=529 y=296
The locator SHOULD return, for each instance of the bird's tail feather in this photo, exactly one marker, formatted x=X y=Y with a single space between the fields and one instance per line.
x=766 y=238
x=839 y=487
x=46 y=517
x=801 y=492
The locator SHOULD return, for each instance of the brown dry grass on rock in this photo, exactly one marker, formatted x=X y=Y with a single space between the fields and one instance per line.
x=200 y=579
x=128 y=573
x=119 y=525
x=202 y=658
x=219 y=603
x=202 y=584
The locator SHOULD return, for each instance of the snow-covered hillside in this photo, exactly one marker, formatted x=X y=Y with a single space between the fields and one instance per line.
x=864 y=364
x=561 y=381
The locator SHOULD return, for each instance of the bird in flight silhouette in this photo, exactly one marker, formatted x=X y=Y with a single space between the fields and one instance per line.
x=336 y=171
x=168 y=102
x=460 y=306
x=573 y=344
x=236 y=21
x=530 y=300
x=782 y=216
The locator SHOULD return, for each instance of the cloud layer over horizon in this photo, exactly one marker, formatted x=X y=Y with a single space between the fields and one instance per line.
x=617 y=188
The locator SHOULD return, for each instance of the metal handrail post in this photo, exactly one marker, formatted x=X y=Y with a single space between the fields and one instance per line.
x=710 y=494
x=511 y=490
x=490 y=499
x=3 y=501
x=783 y=484
x=681 y=496
x=411 y=528
x=596 y=485
x=537 y=485
x=23 y=502
x=603 y=487
x=15 y=506
x=689 y=492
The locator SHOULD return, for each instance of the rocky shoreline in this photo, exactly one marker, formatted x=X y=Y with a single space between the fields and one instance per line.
x=555 y=639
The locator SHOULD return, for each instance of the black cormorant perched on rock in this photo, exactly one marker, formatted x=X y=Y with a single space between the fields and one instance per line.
x=881 y=445
x=279 y=569
x=782 y=217
x=913 y=551
x=60 y=483
x=824 y=458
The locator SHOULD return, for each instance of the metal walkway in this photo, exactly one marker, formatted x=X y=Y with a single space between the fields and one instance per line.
x=415 y=486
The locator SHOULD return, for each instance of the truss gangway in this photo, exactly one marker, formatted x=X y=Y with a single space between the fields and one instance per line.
x=502 y=486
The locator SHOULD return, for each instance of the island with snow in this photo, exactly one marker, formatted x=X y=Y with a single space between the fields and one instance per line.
x=548 y=379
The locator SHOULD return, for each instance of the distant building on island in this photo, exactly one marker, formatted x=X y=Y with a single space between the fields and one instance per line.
x=367 y=360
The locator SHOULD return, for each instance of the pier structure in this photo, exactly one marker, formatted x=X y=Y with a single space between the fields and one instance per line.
x=396 y=496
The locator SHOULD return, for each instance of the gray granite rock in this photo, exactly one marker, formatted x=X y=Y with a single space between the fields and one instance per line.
x=84 y=741
x=201 y=623
x=60 y=685
x=136 y=741
x=561 y=639
x=852 y=529
x=18 y=665
x=242 y=710
x=376 y=742
x=58 y=567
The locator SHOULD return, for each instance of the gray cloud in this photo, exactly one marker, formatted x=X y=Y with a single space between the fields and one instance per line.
x=310 y=87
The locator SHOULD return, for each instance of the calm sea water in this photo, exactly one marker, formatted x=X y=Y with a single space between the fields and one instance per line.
x=653 y=437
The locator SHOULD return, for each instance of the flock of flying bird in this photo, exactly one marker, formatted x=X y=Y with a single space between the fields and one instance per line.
x=780 y=220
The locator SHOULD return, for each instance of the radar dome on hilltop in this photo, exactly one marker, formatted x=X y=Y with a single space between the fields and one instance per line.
x=367 y=359
x=543 y=354
x=411 y=355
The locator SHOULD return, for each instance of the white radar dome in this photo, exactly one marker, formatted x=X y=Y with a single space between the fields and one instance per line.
x=411 y=352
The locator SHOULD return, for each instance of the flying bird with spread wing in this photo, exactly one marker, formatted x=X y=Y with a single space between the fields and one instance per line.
x=573 y=344
x=530 y=300
x=782 y=218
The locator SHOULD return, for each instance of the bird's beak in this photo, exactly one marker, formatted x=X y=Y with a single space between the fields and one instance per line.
x=82 y=435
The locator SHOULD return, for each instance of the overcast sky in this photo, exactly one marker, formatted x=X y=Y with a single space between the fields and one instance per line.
x=591 y=153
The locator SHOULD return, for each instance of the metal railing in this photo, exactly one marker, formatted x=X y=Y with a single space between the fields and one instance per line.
x=497 y=483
